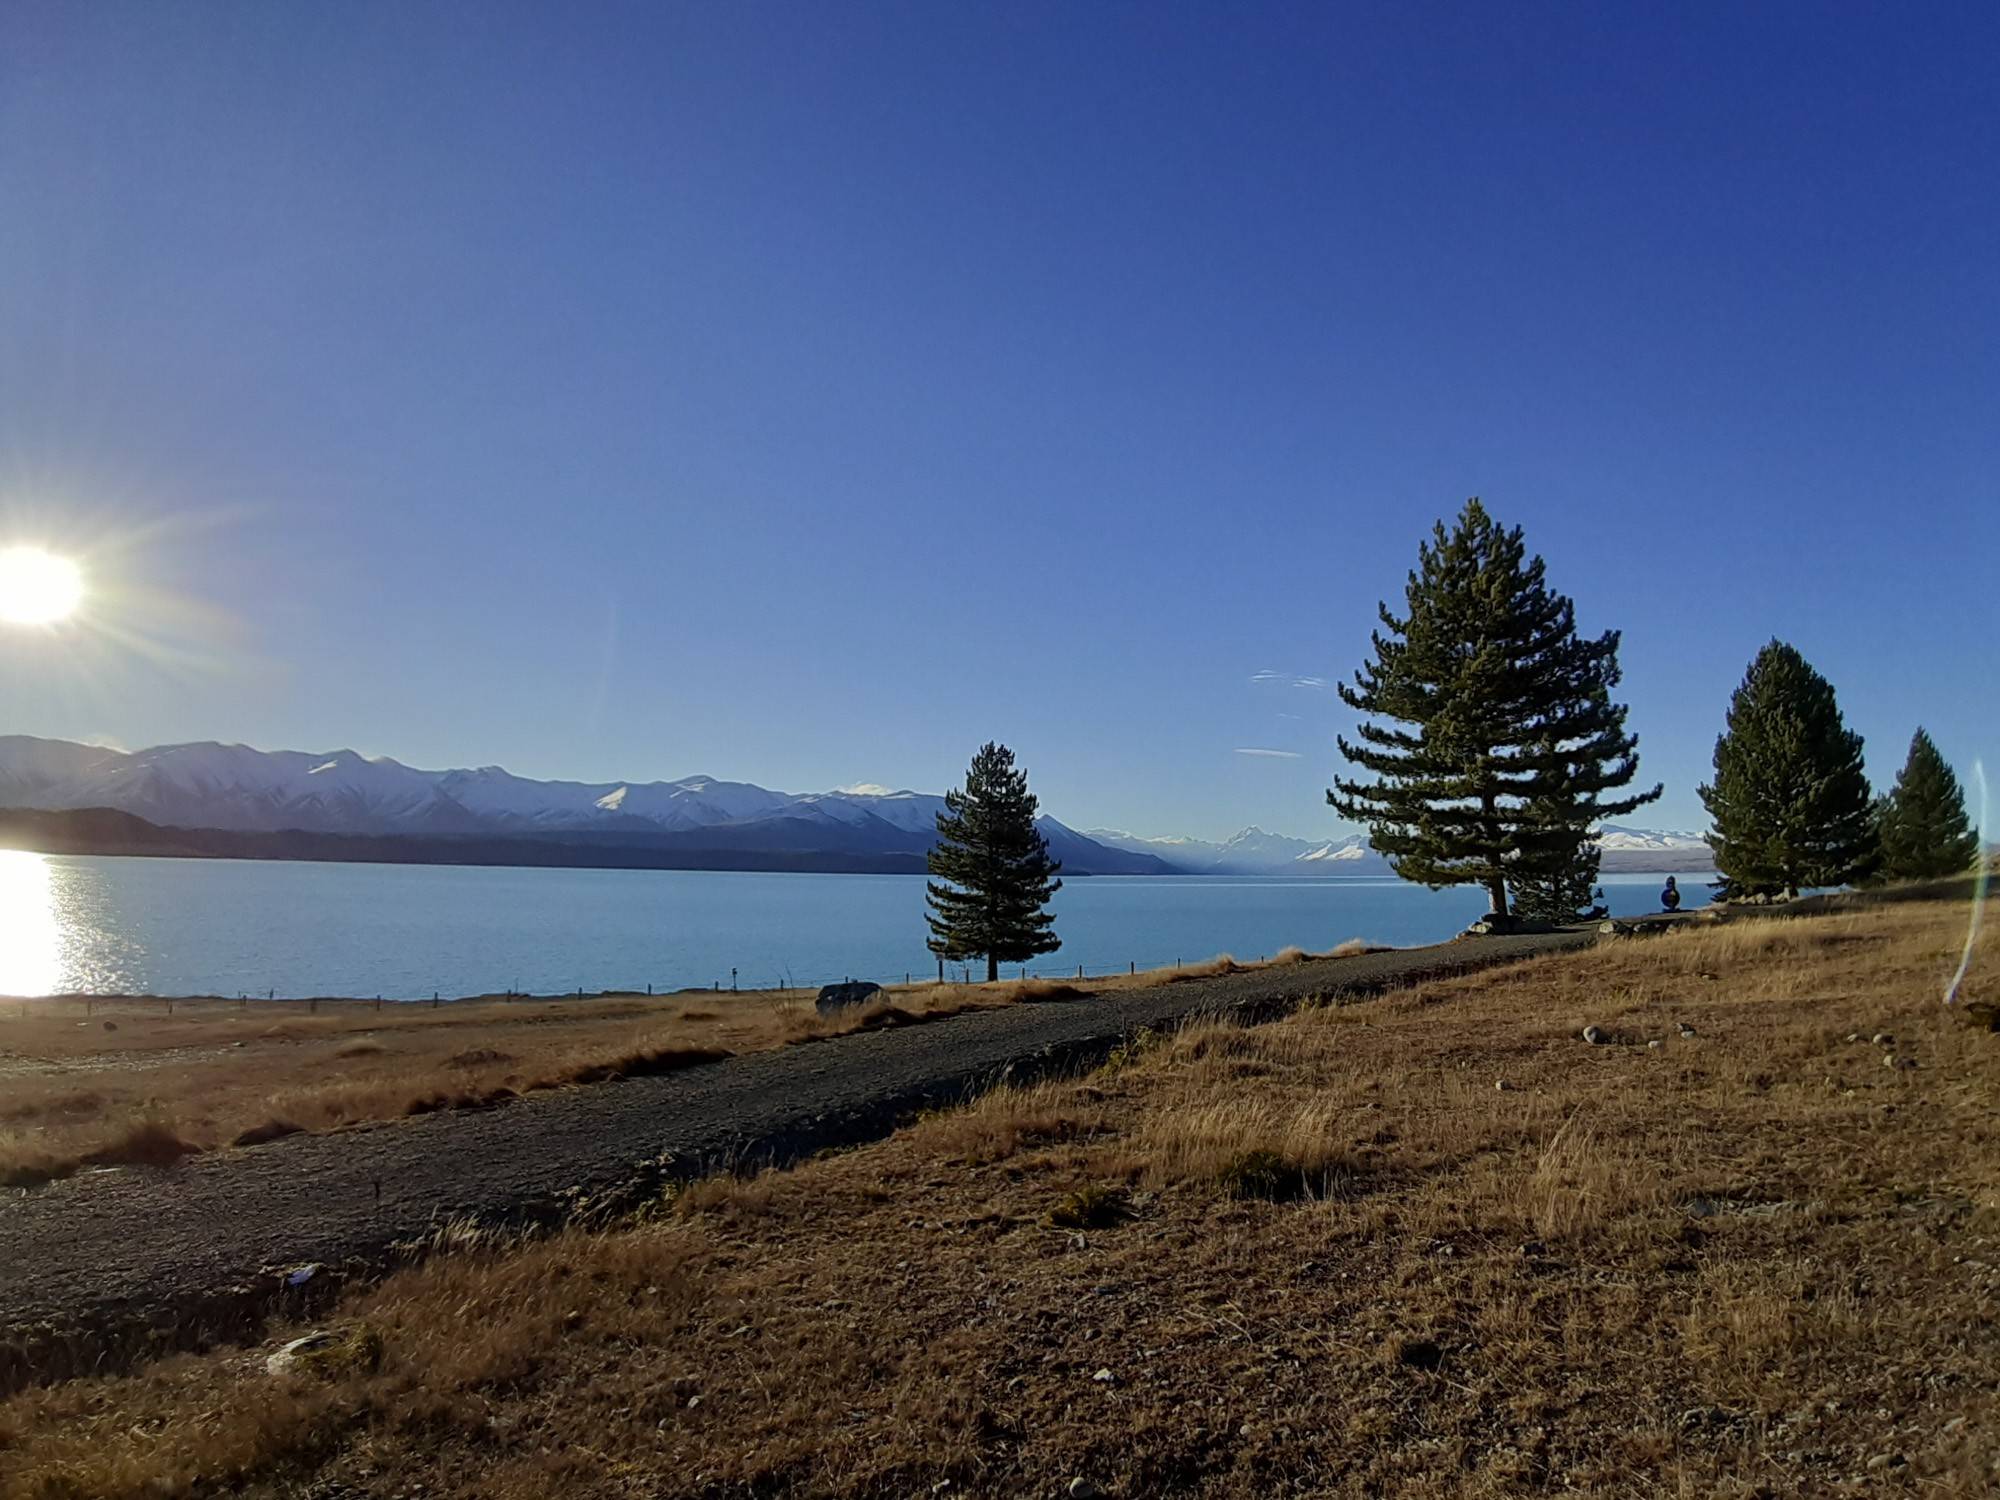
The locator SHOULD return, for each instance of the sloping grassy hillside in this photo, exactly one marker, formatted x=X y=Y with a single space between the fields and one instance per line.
x=1431 y=1245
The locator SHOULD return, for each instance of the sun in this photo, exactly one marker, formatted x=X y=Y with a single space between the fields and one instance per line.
x=37 y=587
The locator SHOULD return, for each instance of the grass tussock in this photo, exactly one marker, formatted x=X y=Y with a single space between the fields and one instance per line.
x=266 y=1130
x=1627 y=1272
x=1250 y=1148
x=1009 y=1120
x=1092 y=1206
x=640 y=1062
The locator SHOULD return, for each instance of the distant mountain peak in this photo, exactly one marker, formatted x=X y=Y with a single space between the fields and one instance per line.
x=237 y=789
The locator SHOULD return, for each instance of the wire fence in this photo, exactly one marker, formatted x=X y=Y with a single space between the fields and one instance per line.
x=735 y=981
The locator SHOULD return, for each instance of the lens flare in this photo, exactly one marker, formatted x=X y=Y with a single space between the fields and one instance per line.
x=37 y=587
x=1979 y=885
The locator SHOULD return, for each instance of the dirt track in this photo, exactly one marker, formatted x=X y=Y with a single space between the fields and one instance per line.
x=102 y=1265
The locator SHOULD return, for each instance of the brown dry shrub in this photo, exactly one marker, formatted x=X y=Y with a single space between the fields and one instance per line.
x=150 y=1142
x=266 y=1130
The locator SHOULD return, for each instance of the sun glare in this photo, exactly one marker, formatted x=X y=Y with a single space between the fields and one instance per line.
x=37 y=587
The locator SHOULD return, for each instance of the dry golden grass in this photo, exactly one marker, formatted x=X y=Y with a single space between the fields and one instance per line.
x=78 y=1076
x=1751 y=1261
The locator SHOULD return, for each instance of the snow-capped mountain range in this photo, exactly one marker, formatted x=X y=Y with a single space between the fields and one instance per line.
x=1255 y=852
x=1251 y=852
x=238 y=789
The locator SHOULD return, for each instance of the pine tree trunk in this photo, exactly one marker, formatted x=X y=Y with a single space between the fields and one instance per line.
x=1496 y=883
x=992 y=968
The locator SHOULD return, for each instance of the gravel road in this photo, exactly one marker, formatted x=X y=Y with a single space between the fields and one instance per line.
x=99 y=1267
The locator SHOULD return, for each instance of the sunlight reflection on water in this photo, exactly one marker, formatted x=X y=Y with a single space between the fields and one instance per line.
x=30 y=937
x=57 y=936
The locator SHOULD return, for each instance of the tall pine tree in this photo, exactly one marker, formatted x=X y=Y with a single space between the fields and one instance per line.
x=1922 y=822
x=1511 y=740
x=1789 y=800
x=998 y=868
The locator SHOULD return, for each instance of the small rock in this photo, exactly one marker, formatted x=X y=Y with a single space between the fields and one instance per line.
x=1654 y=1044
x=1883 y=1039
x=1499 y=1085
x=1104 y=1377
x=1593 y=1036
x=1082 y=1489
x=1687 y=1030
x=1891 y=1060
x=110 y=1025
x=1854 y=1036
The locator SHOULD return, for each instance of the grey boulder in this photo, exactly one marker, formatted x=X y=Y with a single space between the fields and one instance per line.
x=835 y=997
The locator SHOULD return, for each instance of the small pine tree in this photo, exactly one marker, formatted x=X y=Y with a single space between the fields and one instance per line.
x=998 y=866
x=1789 y=801
x=1513 y=737
x=1922 y=822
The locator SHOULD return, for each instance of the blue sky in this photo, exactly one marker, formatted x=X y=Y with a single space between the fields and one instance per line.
x=807 y=394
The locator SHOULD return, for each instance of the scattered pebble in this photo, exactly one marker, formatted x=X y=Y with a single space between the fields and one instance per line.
x=1883 y=1039
x=1687 y=1030
x=1891 y=1060
x=1104 y=1377
x=1654 y=1044
x=1082 y=1489
x=1593 y=1036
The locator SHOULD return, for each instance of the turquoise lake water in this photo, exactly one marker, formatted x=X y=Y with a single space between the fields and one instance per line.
x=184 y=927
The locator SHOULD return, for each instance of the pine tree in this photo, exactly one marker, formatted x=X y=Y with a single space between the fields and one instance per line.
x=998 y=866
x=1922 y=822
x=1513 y=739
x=1789 y=800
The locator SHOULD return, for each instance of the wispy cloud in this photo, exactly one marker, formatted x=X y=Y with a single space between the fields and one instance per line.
x=1273 y=754
x=1267 y=674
